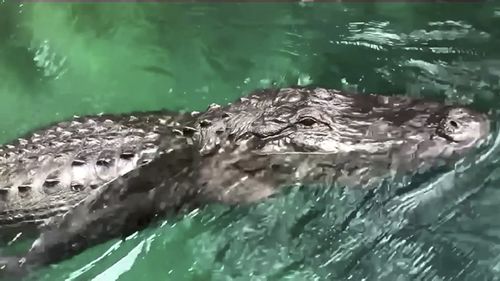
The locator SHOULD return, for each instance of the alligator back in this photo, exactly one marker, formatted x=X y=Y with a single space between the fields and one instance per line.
x=53 y=169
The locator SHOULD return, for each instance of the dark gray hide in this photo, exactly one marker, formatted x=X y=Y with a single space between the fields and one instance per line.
x=123 y=171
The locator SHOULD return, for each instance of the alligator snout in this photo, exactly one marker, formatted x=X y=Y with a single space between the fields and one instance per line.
x=463 y=126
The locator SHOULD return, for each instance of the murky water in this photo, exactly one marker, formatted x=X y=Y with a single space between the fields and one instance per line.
x=61 y=59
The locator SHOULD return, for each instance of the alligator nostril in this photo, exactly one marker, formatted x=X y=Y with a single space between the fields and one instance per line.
x=454 y=124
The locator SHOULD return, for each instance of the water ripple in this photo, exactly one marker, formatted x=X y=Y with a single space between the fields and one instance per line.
x=97 y=57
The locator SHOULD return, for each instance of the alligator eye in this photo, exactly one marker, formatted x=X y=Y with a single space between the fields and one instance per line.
x=453 y=124
x=307 y=121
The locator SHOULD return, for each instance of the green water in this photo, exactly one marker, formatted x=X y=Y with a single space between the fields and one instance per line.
x=62 y=59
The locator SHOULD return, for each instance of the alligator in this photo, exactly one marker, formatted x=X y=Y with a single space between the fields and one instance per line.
x=90 y=179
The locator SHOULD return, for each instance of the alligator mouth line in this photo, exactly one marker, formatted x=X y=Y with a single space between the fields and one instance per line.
x=444 y=136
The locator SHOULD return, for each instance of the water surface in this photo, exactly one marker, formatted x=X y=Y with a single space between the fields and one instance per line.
x=62 y=59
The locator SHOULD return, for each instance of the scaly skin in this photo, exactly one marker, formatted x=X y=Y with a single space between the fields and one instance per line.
x=240 y=153
x=54 y=168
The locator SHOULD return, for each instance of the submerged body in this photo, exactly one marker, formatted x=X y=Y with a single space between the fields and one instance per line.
x=151 y=165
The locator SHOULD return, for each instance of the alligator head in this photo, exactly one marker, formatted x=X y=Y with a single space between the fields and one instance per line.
x=327 y=135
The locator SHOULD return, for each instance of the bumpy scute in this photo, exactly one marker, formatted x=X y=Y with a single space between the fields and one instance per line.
x=52 y=169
